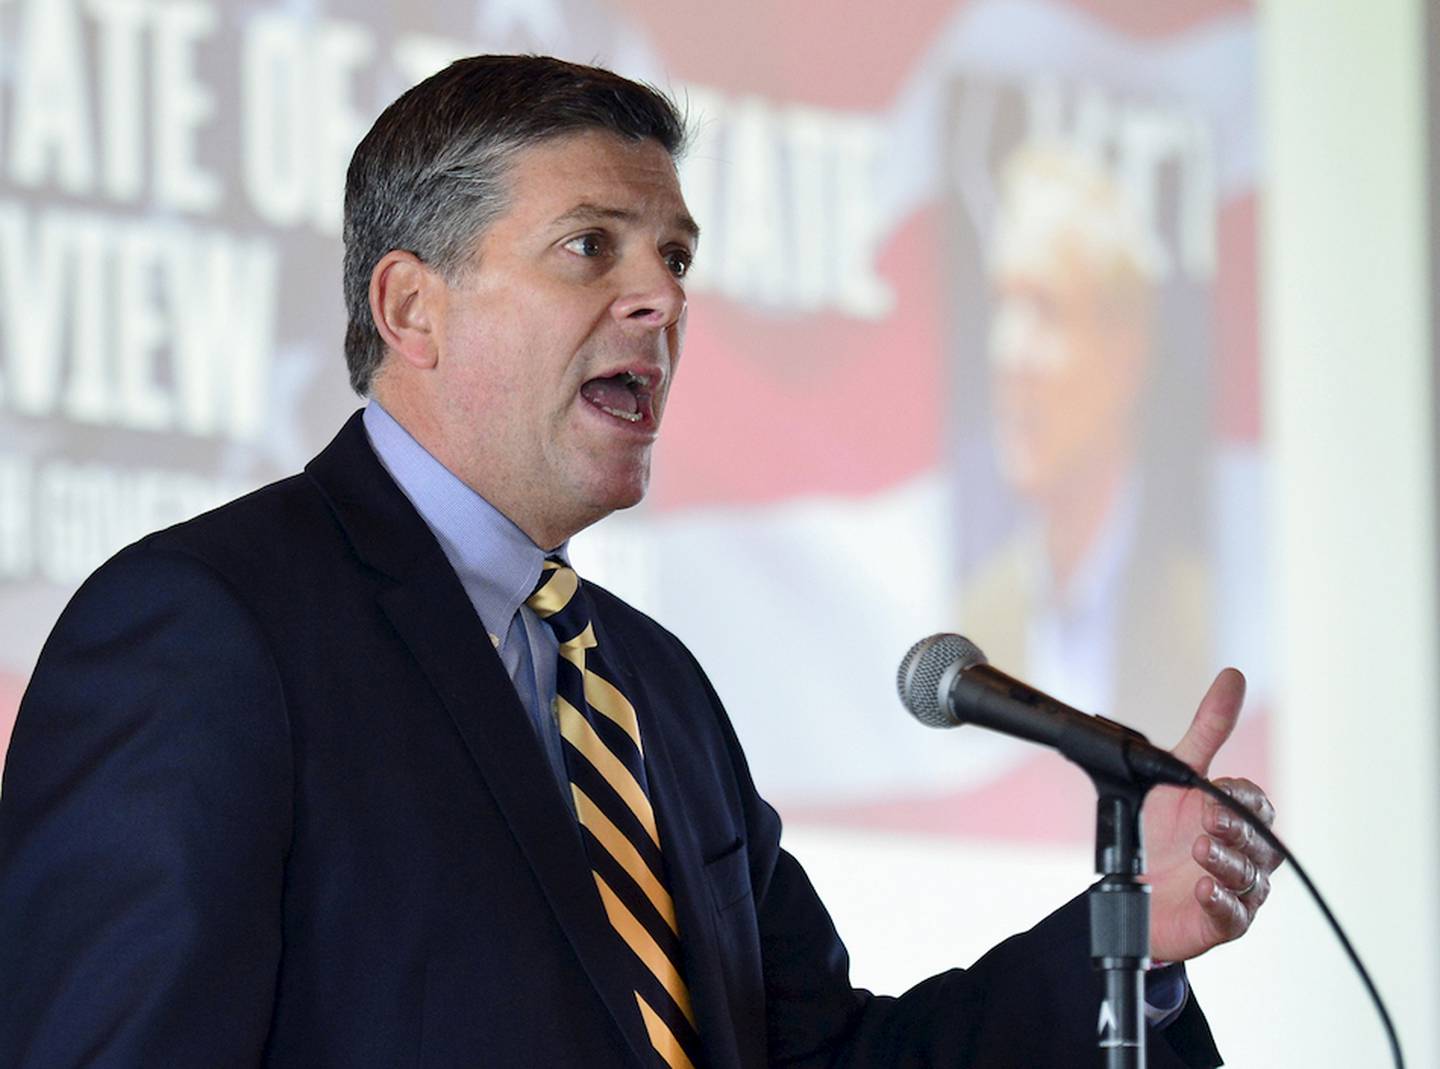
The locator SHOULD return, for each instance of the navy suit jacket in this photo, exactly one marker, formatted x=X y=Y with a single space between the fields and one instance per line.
x=272 y=801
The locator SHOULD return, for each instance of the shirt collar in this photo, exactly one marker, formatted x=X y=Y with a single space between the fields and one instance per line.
x=497 y=563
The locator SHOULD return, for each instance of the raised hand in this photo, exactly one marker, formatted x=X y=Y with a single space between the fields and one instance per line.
x=1209 y=872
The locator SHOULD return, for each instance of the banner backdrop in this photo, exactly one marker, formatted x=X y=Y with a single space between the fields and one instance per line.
x=972 y=343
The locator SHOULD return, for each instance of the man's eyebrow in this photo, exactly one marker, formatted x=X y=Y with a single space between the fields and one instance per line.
x=586 y=212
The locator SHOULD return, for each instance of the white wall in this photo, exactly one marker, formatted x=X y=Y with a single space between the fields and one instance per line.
x=1351 y=421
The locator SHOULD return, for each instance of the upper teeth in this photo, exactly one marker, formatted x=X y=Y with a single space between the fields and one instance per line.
x=632 y=379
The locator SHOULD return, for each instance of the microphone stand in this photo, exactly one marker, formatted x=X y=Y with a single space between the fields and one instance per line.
x=1120 y=920
x=1119 y=902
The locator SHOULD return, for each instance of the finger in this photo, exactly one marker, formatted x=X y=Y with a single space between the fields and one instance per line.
x=1249 y=794
x=1226 y=824
x=1224 y=910
x=1234 y=870
x=1228 y=827
x=1214 y=721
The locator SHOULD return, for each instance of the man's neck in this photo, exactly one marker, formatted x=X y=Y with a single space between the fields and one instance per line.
x=416 y=420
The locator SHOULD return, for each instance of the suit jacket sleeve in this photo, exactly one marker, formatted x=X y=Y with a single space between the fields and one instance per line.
x=143 y=829
x=1030 y=1002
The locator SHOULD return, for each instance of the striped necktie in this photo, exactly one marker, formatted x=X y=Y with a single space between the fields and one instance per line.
x=604 y=759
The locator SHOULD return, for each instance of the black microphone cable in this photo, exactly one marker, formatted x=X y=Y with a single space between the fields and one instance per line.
x=1261 y=829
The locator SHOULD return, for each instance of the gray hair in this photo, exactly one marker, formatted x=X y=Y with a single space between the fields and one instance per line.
x=431 y=174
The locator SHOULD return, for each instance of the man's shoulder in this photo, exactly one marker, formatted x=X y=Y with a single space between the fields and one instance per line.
x=263 y=526
x=249 y=552
x=278 y=527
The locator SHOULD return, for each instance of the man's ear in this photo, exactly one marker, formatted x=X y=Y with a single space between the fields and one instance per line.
x=406 y=302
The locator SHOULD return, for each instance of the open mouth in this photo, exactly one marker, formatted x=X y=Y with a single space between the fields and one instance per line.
x=625 y=396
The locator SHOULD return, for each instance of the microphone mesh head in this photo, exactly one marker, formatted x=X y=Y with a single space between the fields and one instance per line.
x=918 y=680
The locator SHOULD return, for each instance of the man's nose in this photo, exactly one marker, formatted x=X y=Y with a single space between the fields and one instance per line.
x=652 y=296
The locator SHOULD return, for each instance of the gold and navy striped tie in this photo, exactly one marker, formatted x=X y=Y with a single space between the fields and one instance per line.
x=604 y=759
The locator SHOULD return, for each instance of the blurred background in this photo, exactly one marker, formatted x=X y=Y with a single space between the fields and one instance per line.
x=1101 y=331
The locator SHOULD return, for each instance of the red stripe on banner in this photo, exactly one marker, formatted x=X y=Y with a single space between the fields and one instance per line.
x=864 y=52
x=766 y=408
x=854 y=55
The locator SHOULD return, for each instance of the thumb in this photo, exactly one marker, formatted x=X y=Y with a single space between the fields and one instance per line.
x=1214 y=721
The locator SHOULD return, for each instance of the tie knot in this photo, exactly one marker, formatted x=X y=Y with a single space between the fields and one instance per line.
x=558 y=601
x=556 y=587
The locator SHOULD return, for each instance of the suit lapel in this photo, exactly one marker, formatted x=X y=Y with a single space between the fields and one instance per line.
x=428 y=607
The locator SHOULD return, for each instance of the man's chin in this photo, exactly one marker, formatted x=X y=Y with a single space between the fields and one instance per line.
x=627 y=499
x=616 y=491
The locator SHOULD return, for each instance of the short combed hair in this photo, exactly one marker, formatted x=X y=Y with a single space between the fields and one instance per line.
x=431 y=173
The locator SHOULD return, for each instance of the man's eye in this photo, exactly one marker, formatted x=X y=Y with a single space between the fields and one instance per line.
x=679 y=262
x=586 y=245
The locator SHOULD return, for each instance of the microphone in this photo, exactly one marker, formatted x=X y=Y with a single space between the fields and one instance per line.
x=945 y=681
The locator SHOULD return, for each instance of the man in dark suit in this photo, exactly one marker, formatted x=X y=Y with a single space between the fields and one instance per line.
x=303 y=783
